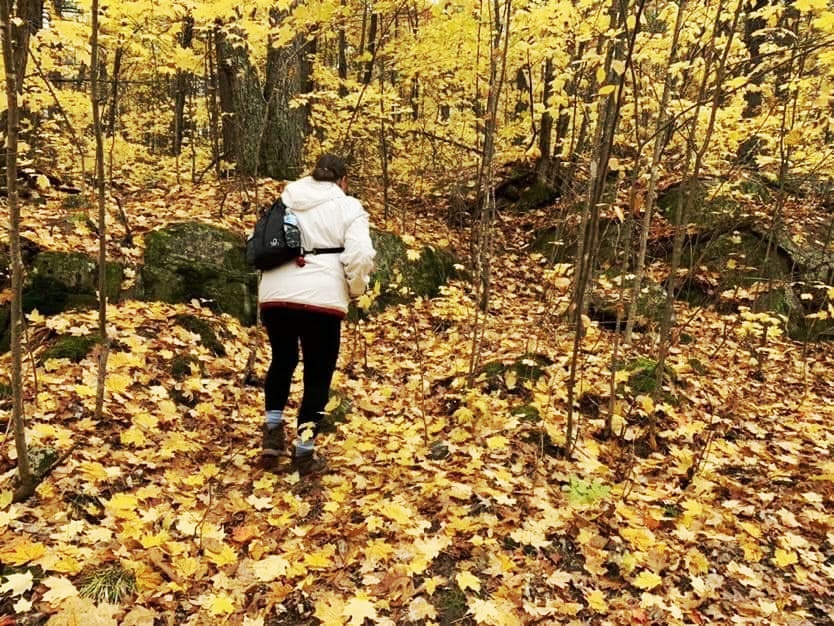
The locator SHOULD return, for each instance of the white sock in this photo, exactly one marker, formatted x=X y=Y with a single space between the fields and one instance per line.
x=274 y=418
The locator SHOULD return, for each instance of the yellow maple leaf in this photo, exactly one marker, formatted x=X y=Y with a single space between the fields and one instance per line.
x=641 y=538
x=220 y=604
x=420 y=610
x=133 y=437
x=596 y=601
x=272 y=567
x=21 y=550
x=330 y=610
x=810 y=5
x=220 y=553
x=467 y=580
x=497 y=442
x=358 y=609
x=320 y=558
x=396 y=512
x=784 y=558
x=6 y=497
x=118 y=383
x=647 y=580
x=59 y=589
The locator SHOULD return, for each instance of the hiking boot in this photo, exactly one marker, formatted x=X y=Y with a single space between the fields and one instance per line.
x=273 y=444
x=306 y=464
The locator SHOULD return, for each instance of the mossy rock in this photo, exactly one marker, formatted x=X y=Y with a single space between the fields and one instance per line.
x=560 y=243
x=199 y=326
x=709 y=207
x=59 y=281
x=642 y=379
x=651 y=304
x=398 y=279
x=535 y=196
x=527 y=368
x=451 y=605
x=805 y=309
x=72 y=347
x=190 y=260
x=183 y=365
x=41 y=459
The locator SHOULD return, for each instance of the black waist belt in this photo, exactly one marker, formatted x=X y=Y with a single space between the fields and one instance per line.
x=324 y=251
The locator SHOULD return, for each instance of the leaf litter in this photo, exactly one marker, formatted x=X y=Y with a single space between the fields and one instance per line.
x=445 y=502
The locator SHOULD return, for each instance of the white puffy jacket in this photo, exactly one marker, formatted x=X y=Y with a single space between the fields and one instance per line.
x=328 y=218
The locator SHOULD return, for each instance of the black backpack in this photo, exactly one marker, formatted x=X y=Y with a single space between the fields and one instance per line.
x=276 y=240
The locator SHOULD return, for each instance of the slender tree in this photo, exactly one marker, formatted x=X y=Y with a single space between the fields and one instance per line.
x=15 y=47
x=97 y=96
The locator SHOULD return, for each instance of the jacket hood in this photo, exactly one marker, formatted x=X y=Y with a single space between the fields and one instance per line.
x=306 y=193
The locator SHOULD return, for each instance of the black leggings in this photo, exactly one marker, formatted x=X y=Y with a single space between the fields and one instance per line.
x=319 y=335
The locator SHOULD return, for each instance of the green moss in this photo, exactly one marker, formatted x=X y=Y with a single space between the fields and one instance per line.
x=398 y=279
x=196 y=261
x=535 y=196
x=72 y=347
x=181 y=366
x=76 y=201
x=451 y=605
x=41 y=459
x=202 y=328
x=527 y=413
x=61 y=281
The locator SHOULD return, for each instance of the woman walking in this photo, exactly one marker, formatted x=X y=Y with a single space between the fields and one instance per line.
x=303 y=304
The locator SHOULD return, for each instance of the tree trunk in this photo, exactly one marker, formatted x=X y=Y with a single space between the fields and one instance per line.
x=660 y=141
x=15 y=47
x=114 y=93
x=182 y=85
x=288 y=74
x=369 y=66
x=546 y=126
x=96 y=98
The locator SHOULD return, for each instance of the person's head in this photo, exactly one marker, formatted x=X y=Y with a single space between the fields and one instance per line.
x=330 y=168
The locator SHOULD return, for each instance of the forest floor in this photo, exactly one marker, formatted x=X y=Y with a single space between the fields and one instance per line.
x=447 y=500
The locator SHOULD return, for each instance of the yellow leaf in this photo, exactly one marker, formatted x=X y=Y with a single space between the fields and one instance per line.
x=396 y=512
x=420 y=610
x=59 y=589
x=647 y=404
x=20 y=551
x=221 y=604
x=467 y=580
x=272 y=567
x=647 y=580
x=596 y=601
x=221 y=554
x=784 y=558
x=6 y=498
x=810 y=5
x=330 y=610
x=606 y=89
x=358 y=609
x=320 y=558
x=497 y=442
x=640 y=538
x=118 y=383
x=133 y=437
x=35 y=317
x=412 y=255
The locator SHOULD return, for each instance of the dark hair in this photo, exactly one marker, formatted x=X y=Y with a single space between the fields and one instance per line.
x=330 y=168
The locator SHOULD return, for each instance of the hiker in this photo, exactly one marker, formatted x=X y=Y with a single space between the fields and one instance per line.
x=303 y=303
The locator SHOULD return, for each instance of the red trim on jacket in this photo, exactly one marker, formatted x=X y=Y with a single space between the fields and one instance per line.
x=298 y=306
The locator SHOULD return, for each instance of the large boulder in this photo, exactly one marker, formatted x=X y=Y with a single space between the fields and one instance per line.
x=58 y=281
x=193 y=260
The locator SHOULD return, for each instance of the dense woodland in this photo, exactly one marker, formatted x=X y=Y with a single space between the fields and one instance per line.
x=592 y=381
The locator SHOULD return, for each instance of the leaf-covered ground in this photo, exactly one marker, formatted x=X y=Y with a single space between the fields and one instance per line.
x=445 y=502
